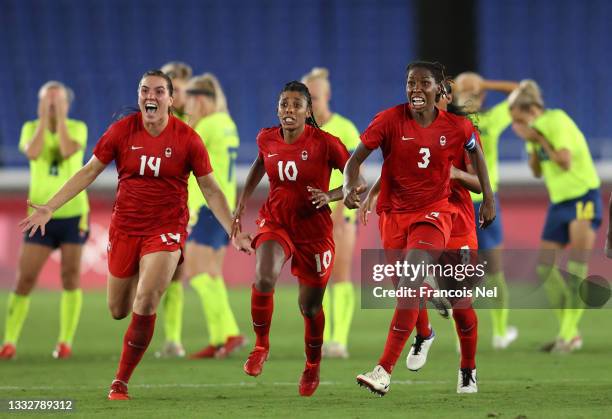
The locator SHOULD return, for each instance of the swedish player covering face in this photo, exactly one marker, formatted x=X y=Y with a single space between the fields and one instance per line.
x=154 y=152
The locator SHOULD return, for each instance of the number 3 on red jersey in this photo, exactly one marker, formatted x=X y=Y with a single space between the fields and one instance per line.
x=287 y=170
x=153 y=162
x=424 y=151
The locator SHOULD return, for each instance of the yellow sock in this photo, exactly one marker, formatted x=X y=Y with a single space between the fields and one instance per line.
x=229 y=327
x=16 y=313
x=343 y=309
x=206 y=289
x=556 y=290
x=173 y=311
x=499 y=316
x=70 y=313
x=575 y=308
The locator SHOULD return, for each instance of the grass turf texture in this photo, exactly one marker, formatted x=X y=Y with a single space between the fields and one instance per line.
x=518 y=382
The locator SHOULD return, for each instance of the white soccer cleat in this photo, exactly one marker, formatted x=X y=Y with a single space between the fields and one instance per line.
x=377 y=381
x=502 y=342
x=334 y=350
x=171 y=350
x=417 y=357
x=467 y=381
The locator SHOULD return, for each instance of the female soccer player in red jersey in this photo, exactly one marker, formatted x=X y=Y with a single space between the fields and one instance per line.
x=294 y=222
x=154 y=152
x=463 y=238
x=419 y=142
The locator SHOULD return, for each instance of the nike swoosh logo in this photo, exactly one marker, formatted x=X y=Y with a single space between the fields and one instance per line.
x=259 y=325
x=136 y=148
x=399 y=330
x=428 y=217
x=135 y=346
x=272 y=155
x=313 y=346
x=422 y=242
x=407 y=138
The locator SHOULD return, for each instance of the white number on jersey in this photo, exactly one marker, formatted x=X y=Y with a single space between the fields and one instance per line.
x=426 y=154
x=287 y=170
x=326 y=260
x=153 y=163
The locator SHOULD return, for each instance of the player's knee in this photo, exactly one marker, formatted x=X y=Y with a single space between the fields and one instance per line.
x=265 y=279
x=310 y=311
x=70 y=278
x=118 y=312
x=25 y=283
x=147 y=303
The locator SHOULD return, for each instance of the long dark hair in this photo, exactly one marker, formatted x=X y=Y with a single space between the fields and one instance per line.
x=296 y=86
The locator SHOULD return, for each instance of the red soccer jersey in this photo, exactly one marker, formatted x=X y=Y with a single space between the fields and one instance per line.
x=416 y=168
x=460 y=197
x=153 y=172
x=291 y=168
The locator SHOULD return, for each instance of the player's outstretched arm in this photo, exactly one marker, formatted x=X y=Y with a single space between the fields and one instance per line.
x=77 y=183
x=218 y=205
x=487 y=209
x=506 y=86
x=354 y=184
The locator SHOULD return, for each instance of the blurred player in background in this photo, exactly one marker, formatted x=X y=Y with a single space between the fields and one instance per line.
x=55 y=145
x=558 y=152
x=419 y=142
x=209 y=116
x=463 y=238
x=470 y=94
x=154 y=152
x=294 y=222
x=609 y=238
x=339 y=300
x=173 y=300
x=179 y=73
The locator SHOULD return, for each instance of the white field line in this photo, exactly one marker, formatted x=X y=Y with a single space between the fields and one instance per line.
x=291 y=384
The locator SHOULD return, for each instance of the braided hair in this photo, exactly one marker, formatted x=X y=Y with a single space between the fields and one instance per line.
x=296 y=86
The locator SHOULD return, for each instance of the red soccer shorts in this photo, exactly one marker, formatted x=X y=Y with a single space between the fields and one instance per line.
x=311 y=262
x=401 y=230
x=125 y=250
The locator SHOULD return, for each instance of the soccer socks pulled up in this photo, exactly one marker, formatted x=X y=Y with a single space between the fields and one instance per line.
x=499 y=316
x=556 y=290
x=16 y=313
x=207 y=290
x=313 y=336
x=327 y=308
x=423 y=328
x=262 y=307
x=578 y=271
x=401 y=326
x=229 y=327
x=135 y=343
x=70 y=313
x=466 y=324
x=343 y=306
x=173 y=311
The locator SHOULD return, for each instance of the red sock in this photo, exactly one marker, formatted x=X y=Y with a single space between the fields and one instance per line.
x=423 y=328
x=262 y=306
x=401 y=326
x=466 y=324
x=135 y=343
x=313 y=336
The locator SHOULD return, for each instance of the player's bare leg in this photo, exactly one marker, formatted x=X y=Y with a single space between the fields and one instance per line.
x=172 y=307
x=155 y=273
x=270 y=258
x=31 y=260
x=310 y=302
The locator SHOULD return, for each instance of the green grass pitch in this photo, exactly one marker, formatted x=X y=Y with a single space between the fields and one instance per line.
x=518 y=382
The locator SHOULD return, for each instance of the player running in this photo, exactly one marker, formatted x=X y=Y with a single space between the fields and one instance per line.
x=339 y=299
x=559 y=153
x=55 y=145
x=294 y=222
x=462 y=238
x=209 y=116
x=154 y=152
x=419 y=142
x=470 y=92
